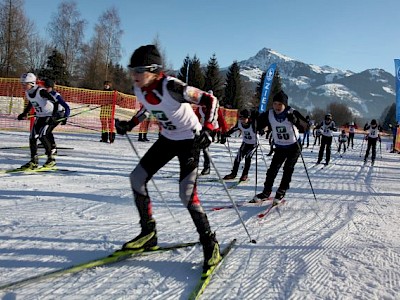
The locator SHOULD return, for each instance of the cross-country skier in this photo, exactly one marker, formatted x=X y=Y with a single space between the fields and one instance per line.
x=182 y=136
x=352 y=131
x=284 y=122
x=372 y=137
x=246 y=125
x=63 y=110
x=306 y=135
x=327 y=128
x=342 y=139
x=46 y=115
x=317 y=135
x=219 y=125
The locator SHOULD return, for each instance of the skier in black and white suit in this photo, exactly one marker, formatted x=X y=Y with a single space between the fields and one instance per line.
x=327 y=128
x=246 y=125
x=284 y=122
x=372 y=137
x=182 y=136
x=46 y=112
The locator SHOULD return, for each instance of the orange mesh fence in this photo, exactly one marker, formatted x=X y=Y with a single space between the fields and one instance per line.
x=91 y=110
x=397 y=144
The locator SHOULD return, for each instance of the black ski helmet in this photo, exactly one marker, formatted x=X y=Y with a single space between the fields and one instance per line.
x=281 y=97
x=244 y=113
x=48 y=83
x=147 y=55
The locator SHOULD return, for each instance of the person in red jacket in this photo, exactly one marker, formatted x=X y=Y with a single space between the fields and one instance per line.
x=219 y=126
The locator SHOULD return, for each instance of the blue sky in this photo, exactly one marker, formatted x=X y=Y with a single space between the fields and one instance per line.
x=347 y=34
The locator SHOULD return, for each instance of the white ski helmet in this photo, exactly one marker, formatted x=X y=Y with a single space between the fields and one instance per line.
x=28 y=78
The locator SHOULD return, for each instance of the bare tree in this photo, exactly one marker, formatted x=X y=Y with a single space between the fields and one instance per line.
x=167 y=66
x=37 y=54
x=109 y=33
x=67 y=32
x=340 y=113
x=15 y=29
x=103 y=49
x=318 y=115
x=93 y=64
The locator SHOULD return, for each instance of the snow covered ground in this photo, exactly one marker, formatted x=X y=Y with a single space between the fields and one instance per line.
x=345 y=245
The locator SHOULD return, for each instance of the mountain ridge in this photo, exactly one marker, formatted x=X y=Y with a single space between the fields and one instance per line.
x=367 y=93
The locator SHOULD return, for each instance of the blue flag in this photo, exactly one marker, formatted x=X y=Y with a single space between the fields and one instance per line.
x=397 y=75
x=269 y=77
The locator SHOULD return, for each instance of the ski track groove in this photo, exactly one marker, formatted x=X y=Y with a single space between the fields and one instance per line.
x=285 y=259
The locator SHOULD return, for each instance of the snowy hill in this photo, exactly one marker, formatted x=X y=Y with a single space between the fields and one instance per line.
x=344 y=245
x=367 y=93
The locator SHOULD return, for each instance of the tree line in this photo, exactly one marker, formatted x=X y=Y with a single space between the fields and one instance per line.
x=67 y=59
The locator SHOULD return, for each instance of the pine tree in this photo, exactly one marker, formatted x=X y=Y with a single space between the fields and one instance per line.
x=196 y=76
x=213 y=80
x=120 y=78
x=191 y=72
x=56 y=69
x=233 y=87
x=183 y=72
x=388 y=116
x=275 y=88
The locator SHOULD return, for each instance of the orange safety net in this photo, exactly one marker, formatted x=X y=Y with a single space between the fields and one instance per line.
x=397 y=144
x=91 y=110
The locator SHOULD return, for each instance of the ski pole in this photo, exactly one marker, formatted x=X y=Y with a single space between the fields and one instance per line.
x=305 y=167
x=229 y=149
x=152 y=180
x=86 y=105
x=82 y=106
x=380 y=147
x=263 y=156
x=78 y=113
x=256 y=177
x=230 y=198
x=315 y=141
x=362 y=146
x=80 y=126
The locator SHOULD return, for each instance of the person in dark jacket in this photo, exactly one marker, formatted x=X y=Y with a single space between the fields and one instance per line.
x=372 y=137
x=327 y=128
x=284 y=122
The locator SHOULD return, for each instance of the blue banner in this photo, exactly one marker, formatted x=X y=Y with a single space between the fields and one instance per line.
x=397 y=75
x=269 y=77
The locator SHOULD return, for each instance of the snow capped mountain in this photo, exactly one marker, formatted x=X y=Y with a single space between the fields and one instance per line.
x=367 y=93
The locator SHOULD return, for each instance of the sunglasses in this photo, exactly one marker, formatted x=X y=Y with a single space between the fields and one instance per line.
x=142 y=69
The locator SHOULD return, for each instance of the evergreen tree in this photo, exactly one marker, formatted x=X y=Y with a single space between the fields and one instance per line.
x=191 y=72
x=233 y=87
x=388 y=117
x=196 y=76
x=213 y=80
x=120 y=78
x=183 y=72
x=56 y=69
x=276 y=86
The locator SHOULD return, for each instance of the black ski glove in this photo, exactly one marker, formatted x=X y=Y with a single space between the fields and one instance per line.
x=63 y=121
x=203 y=140
x=123 y=126
x=21 y=116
